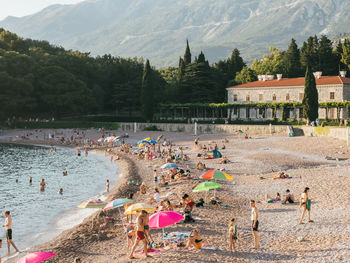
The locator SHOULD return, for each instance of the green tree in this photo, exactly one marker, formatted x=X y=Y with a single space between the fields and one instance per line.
x=147 y=93
x=271 y=64
x=345 y=57
x=309 y=54
x=246 y=75
x=328 y=63
x=187 y=56
x=291 y=60
x=310 y=100
x=338 y=52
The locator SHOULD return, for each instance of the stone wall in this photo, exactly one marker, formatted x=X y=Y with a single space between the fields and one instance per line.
x=208 y=128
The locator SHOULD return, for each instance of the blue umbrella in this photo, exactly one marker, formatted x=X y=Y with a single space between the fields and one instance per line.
x=142 y=141
x=169 y=165
x=151 y=141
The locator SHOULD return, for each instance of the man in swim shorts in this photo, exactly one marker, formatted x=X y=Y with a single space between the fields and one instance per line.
x=140 y=233
x=255 y=223
x=8 y=226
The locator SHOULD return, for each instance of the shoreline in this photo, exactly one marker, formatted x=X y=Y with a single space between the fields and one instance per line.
x=107 y=196
x=66 y=244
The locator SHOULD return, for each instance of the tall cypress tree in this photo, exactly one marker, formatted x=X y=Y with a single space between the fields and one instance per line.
x=147 y=100
x=292 y=60
x=310 y=100
x=328 y=63
x=187 y=56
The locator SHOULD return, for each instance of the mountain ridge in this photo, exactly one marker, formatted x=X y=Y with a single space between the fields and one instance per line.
x=158 y=30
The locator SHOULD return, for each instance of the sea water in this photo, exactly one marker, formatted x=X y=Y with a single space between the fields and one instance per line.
x=40 y=216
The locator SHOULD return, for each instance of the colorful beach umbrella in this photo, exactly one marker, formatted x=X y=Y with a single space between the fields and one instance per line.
x=92 y=204
x=206 y=186
x=216 y=174
x=137 y=208
x=36 y=257
x=152 y=141
x=238 y=132
x=117 y=203
x=164 y=219
x=169 y=165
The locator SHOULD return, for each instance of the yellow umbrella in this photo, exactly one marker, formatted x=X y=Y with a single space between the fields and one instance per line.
x=136 y=208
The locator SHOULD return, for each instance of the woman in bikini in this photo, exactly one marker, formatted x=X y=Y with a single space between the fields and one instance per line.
x=305 y=203
x=194 y=240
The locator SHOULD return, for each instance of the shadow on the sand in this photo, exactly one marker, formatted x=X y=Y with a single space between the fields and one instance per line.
x=255 y=255
x=275 y=210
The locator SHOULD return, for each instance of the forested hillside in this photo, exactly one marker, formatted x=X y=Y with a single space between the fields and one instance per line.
x=40 y=80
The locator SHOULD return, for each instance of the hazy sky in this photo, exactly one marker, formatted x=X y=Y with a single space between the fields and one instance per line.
x=27 y=7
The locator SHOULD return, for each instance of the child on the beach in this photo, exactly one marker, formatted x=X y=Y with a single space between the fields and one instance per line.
x=233 y=235
x=130 y=233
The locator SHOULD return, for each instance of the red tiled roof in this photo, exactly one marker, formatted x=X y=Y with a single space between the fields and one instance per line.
x=326 y=80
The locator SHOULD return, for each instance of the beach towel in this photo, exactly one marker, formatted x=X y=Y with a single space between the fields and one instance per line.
x=176 y=236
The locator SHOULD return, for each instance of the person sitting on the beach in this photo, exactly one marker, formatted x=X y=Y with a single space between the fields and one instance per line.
x=143 y=189
x=194 y=240
x=77 y=260
x=224 y=160
x=233 y=236
x=168 y=205
x=223 y=147
x=155 y=198
x=289 y=197
x=269 y=199
x=200 y=166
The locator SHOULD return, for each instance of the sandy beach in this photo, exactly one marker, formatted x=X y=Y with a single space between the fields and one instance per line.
x=320 y=163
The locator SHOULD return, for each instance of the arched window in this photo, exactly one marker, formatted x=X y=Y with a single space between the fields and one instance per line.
x=287 y=97
x=274 y=97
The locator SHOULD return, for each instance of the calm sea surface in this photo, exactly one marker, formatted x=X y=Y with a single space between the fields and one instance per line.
x=39 y=216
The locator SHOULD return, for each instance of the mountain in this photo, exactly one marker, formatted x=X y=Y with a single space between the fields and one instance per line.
x=158 y=29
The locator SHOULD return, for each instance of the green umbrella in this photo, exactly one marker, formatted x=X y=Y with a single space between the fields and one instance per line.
x=206 y=186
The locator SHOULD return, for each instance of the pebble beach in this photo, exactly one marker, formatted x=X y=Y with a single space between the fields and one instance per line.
x=320 y=163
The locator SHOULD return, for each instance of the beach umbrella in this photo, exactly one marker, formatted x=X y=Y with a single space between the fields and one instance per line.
x=216 y=174
x=117 y=203
x=36 y=257
x=164 y=218
x=238 y=132
x=92 y=204
x=136 y=208
x=152 y=141
x=169 y=165
x=160 y=137
x=206 y=186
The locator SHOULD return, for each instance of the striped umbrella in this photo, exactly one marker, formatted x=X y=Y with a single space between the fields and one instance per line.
x=137 y=208
x=117 y=203
x=216 y=174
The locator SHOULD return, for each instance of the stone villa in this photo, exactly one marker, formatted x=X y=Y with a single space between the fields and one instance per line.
x=269 y=90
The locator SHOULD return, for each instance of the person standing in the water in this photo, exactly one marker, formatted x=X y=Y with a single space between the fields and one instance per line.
x=42 y=185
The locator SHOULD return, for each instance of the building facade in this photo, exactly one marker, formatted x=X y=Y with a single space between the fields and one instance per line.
x=270 y=90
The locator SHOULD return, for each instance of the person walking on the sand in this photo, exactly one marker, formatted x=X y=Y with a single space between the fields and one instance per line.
x=140 y=234
x=305 y=203
x=8 y=226
x=255 y=223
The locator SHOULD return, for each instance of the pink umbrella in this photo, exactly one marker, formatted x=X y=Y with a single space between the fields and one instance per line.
x=36 y=257
x=164 y=219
